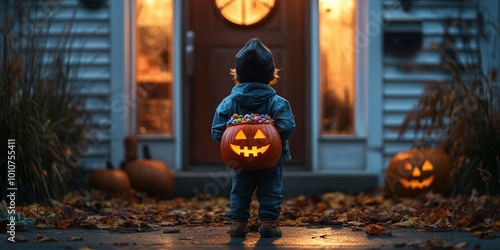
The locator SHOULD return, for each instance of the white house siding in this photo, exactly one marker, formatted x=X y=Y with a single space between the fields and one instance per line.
x=90 y=30
x=405 y=77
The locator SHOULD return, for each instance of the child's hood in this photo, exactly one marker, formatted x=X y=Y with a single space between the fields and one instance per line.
x=252 y=93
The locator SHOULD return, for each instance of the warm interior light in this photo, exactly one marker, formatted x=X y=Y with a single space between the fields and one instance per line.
x=154 y=12
x=244 y=12
x=337 y=45
x=153 y=36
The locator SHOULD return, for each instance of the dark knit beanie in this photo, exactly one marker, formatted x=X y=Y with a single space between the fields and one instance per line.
x=254 y=63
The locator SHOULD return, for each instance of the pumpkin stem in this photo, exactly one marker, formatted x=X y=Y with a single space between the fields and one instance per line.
x=145 y=151
x=109 y=165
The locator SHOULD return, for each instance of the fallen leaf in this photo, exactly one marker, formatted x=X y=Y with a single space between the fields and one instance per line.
x=121 y=244
x=44 y=226
x=461 y=244
x=20 y=238
x=86 y=248
x=45 y=239
x=374 y=229
x=171 y=231
x=74 y=238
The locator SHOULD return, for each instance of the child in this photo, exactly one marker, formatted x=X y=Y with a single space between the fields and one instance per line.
x=253 y=75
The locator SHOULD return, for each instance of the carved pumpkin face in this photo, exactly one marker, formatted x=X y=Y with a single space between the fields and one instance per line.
x=249 y=151
x=420 y=177
x=419 y=171
x=250 y=146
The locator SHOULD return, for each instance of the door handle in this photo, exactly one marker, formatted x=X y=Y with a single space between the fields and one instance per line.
x=189 y=53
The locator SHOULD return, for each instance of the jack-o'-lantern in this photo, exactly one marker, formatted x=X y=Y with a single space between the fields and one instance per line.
x=251 y=146
x=419 y=171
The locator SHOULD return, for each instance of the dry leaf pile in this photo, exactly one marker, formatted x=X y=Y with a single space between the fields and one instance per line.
x=372 y=213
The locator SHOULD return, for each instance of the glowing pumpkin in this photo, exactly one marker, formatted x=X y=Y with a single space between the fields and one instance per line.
x=251 y=146
x=419 y=171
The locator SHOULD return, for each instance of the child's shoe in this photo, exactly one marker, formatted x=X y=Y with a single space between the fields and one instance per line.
x=269 y=228
x=238 y=229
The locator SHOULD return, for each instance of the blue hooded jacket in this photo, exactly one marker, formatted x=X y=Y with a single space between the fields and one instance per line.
x=256 y=98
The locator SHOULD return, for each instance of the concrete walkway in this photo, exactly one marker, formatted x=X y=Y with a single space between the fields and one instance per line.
x=322 y=237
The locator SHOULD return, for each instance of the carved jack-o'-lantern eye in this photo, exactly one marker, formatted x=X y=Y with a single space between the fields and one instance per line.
x=427 y=166
x=241 y=135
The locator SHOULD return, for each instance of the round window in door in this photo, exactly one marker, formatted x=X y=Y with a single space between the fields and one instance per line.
x=244 y=12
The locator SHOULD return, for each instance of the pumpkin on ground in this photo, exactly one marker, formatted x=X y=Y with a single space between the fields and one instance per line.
x=419 y=171
x=150 y=176
x=110 y=179
x=251 y=145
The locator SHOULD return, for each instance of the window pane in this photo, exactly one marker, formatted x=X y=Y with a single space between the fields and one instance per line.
x=337 y=47
x=154 y=67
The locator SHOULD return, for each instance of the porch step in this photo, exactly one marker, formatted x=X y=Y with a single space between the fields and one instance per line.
x=218 y=183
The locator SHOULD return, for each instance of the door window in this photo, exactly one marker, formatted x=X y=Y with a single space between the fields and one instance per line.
x=153 y=45
x=244 y=12
x=337 y=61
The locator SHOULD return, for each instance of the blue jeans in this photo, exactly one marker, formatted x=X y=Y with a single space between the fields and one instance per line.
x=267 y=184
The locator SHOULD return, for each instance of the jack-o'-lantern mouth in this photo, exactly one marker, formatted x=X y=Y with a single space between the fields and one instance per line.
x=414 y=184
x=249 y=151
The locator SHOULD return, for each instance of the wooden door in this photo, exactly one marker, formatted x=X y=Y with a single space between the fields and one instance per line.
x=215 y=45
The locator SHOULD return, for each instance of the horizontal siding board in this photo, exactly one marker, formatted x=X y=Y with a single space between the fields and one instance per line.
x=90 y=75
x=82 y=62
x=392 y=73
x=96 y=89
x=387 y=4
x=429 y=14
x=430 y=58
x=78 y=13
x=393 y=119
x=88 y=43
x=395 y=89
x=398 y=104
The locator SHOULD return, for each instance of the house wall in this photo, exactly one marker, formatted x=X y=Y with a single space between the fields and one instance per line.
x=404 y=77
x=91 y=29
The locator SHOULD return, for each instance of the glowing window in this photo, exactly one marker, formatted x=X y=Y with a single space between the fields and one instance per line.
x=337 y=45
x=153 y=41
x=244 y=12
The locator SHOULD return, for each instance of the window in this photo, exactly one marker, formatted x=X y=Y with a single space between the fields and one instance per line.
x=337 y=20
x=244 y=12
x=153 y=47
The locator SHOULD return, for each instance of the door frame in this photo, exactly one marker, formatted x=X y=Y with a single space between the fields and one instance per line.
x=181 y=27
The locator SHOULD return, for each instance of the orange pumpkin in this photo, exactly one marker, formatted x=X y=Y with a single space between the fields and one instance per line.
x=110 y=179
x=150 y=176
x=419 y=171
x=250 y=146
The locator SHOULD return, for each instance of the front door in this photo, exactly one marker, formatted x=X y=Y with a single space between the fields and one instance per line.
x=217 y=39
